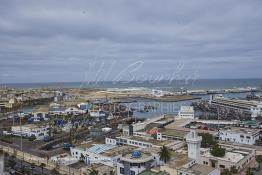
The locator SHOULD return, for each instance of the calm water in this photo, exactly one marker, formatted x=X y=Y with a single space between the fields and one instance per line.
x=170 y=107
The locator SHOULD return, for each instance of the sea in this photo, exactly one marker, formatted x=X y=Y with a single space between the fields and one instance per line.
x=160 y=107
x=163 y=84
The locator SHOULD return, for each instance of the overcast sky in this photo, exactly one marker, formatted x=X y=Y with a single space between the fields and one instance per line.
x=63 y=41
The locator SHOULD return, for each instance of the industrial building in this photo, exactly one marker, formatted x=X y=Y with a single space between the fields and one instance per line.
x=240 y=135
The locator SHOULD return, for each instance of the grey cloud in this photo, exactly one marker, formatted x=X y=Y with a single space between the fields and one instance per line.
x=57 y=40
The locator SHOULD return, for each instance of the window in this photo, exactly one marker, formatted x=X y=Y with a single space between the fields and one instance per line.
x=222 y=166
x=122 y=170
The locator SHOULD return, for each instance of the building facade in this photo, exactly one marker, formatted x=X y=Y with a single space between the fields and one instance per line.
x=242 y=136
x=31 y=130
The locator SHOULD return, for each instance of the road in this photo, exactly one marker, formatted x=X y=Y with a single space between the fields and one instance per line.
x=19 y=165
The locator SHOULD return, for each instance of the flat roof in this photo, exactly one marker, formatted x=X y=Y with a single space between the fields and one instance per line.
x=199 y=169
x=101 y=167
x=100 y=148
x=119 y=150
x=152 y=141
x=178 y=125
x=174 y=132
x=245 y=104
x=230 y=156
x=178 y=160
x=242 y=130
x=149 y=172
x=31 y=126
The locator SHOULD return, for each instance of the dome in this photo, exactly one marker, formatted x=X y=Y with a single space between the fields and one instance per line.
x=136 y=154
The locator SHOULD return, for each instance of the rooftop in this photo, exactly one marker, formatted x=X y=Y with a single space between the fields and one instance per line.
x=242 y=130
x=149 y=172
x=119 y=150
x=230 y=156
x=31 y=126
x=137 y=156
x=178 y=160
x=101 y=167
x=97 y=148
x=153 y=141
x=198 y=169
x=187 y=109
x=174 y=132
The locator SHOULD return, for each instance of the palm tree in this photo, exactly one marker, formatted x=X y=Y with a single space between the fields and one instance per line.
x=164 y=154
x=42 y=165
x=82 y=157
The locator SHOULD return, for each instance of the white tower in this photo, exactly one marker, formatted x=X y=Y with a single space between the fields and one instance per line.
x=193 y=144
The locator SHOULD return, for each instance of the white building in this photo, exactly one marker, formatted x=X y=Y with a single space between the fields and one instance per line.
x=131 y=141
x=256 y=110
x=236 y=156
x=105 y=154
x=186 y=112
x=242 y=136
x=38 y=116
x=157 y=93
x=97 y=114
x=193 y=144
x=138 y=161
x=73 y=111
x=66 y=127
x=31 y=130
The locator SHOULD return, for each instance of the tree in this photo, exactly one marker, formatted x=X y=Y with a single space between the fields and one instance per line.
x=259 y=160
x=226 y=172
x=164 y=154
x=207 y=140
x=82 y=157
x=217 y=151
x=42 y=165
